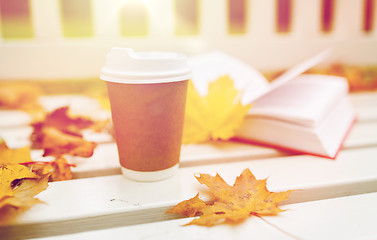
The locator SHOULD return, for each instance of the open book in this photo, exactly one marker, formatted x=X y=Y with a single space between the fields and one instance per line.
x=304 y=113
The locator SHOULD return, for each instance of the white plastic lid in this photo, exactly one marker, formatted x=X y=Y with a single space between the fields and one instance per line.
x=124 y=65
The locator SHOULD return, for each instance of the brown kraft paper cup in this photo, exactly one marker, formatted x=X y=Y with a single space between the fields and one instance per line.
x=148 y=123
x=147 y=92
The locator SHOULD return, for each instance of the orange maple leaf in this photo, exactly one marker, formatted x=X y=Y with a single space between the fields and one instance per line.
x=60 y=120
x=56 y=143
x=61 y=170
x=20 y=97
x=60 y=134
x=231 y=204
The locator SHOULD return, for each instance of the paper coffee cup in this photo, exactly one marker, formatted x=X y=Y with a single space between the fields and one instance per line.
x=147 y=92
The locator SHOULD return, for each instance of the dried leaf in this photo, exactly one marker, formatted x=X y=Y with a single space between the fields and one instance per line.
x=18 y=184
x=60 y=134
x=15 y=160
x=57 y=143
x=18 y=155
x=215 y=116
x=23 y=197
x=61 y=170
x=60 y=120
x=18 y=187
x=189 y=208
x=232 y=204
x=24 y=192
x=18 y=159
x=10 y=172
x=40 y=168
x=20 y=97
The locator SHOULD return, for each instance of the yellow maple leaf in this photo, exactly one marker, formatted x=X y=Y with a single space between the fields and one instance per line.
x=22 y=197
x=215 y=116
x=18 y=155
x=19 y=160
x=24 y=190
x=231 y=204
x=10 y=172
x=18 y=184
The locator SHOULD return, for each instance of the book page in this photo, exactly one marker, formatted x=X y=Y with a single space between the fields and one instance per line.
x=287 y=76
x=209 y=67
x=304 y=100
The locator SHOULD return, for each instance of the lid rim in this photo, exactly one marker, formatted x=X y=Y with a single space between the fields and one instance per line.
x=127 y=66
x=146 y=80
x=109 y=71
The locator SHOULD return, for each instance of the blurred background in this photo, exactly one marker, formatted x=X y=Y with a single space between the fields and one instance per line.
x=68 y=39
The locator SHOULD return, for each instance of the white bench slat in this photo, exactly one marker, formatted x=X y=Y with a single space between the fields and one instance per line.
x=364 y=103
x=366 y=113
x=16 y=137
x=95 y=203
x=14 y=118
x=105 y=159
x=352 y=217
x=362 y=134
x=359 y=99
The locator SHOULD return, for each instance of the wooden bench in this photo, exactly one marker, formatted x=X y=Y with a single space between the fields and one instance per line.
x=335 y=201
